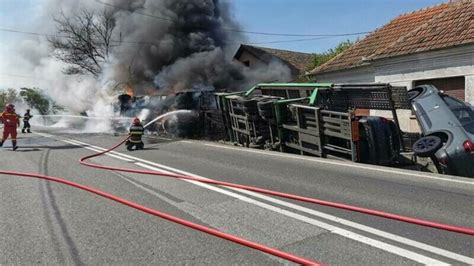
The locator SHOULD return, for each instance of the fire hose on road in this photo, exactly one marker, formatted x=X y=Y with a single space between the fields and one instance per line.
x=238 y=240
x=217 y=233
x=401 y=218
x=269 y=250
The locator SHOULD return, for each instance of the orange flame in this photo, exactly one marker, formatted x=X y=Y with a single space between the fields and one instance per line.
x=129 y=90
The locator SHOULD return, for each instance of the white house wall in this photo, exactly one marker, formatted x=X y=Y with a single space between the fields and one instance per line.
x=470 y=88
x=446 y=63
x=404 y=70
x=355 y=75
x=254 y=62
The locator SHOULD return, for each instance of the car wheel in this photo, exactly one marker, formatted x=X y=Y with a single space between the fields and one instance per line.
x=412 y=94
x=427 y=146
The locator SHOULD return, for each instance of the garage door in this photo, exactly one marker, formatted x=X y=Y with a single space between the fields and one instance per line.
x=452 y=86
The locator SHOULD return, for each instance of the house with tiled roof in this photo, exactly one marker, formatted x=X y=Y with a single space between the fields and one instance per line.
x=434 y=45
x=256 y=57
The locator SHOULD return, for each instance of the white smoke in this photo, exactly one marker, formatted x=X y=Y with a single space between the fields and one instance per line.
x=171 y=54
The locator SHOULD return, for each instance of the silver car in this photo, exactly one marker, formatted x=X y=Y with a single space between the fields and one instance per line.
x=447 y=125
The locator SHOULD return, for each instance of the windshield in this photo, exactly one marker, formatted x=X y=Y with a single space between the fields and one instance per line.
x=463 y=113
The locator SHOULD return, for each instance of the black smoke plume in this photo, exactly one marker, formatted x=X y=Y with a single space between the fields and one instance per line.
x=181 y=45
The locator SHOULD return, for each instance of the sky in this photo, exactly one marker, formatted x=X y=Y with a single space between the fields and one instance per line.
x=318 y=17
x=273 y=16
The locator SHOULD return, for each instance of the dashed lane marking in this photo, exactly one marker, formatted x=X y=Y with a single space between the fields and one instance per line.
x=372 y=242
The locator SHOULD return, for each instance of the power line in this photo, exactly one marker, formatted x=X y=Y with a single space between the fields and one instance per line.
x=18 y=76
x=33 y=33
x=154 y=43
x=241 y=31
x=294 y=40
x=67 y=37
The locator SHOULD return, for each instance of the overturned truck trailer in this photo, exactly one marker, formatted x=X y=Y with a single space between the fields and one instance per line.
x=205 y=121
x=318 y=119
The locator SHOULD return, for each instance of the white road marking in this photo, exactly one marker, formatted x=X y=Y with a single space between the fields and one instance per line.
x=364 y=228
x=333 y=229
x=332 y=218
x=97 y=150
x=372 y=242
x=333 y=162
x=155 y=137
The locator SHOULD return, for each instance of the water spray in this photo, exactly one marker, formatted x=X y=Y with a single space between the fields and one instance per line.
x=88 y=117
x=167 y=114
x=119 y=117
x=122 y=120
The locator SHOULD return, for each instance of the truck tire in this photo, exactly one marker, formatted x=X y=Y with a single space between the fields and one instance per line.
x=395 y=135
x=379 y=145
x=384 y=147
x=368 y=141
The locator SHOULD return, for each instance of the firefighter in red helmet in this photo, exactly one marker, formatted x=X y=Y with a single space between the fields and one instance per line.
x=10 y=122
x=136 y=132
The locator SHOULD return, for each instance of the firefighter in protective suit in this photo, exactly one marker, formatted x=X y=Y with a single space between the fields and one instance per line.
x=10 y=122
x=26 y=122
x=136 y=133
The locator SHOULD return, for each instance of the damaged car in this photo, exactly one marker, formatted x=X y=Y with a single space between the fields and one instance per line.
x=447 y=125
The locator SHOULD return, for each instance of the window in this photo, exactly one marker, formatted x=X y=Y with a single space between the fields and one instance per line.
x=463 y=112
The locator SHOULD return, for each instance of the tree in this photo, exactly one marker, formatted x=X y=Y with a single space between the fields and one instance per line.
x=34 y=98
x=322 y=58
x=8 y=96
x=83 y=41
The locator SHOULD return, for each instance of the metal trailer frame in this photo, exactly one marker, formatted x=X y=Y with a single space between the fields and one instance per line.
x=324 y=113
x=313 y=127
x=243 y=126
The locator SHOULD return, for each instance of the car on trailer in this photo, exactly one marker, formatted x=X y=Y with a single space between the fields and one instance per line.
x=447 y=125
x=318 y=119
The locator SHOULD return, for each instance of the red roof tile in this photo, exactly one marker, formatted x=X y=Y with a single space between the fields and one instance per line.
x=441 y=26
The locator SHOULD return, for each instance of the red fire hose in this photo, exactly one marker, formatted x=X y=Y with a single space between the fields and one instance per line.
x=235 y=239
x=272 y=251
x=269 y=250
x=453 y=228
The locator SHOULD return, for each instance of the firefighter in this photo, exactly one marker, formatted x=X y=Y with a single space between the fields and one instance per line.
x=136 y=133
x=26 y=122
x=10 y=121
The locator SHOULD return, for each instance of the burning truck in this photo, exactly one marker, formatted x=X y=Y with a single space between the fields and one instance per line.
x=204 y=122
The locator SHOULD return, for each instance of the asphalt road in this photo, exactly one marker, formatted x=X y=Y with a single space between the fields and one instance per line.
x=50 y=223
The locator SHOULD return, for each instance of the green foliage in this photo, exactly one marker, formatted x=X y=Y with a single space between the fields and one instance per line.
x=35 y=98
x=8 y=96
x=322 y=58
